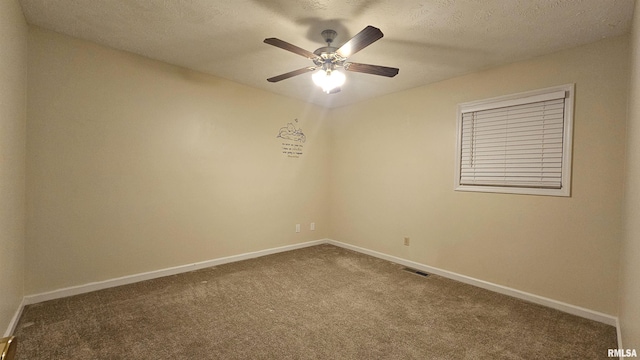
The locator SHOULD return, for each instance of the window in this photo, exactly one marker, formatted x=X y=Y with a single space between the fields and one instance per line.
x=518 y=143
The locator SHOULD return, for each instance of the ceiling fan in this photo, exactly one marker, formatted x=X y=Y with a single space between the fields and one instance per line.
x=328 y=59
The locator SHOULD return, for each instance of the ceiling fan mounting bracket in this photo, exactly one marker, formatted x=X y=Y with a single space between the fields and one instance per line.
x=328 y=36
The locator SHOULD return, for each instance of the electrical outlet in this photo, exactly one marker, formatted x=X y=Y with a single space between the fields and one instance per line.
x=406 y=241
x=297 y=228
x=312 y=226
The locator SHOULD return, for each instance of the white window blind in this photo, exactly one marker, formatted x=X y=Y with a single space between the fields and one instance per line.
x=516 y=143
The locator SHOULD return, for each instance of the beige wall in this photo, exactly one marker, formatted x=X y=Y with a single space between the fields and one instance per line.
x=135 y=165
x=393 y=169
x=13 y=81
x=630 y=254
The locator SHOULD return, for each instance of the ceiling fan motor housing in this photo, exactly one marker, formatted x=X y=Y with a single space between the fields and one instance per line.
x=328 y=58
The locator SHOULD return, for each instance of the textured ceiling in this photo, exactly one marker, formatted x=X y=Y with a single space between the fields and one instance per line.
x=428 y=40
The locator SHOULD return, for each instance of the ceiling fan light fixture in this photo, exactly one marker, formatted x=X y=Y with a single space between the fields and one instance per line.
x=328 y=80
x=328 y=58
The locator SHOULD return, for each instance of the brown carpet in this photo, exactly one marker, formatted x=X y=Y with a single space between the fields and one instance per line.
x=321 y=302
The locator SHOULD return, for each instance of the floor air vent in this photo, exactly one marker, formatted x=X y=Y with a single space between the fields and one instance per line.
x=417 y=272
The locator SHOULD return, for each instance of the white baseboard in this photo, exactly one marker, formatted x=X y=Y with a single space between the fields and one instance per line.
x=130 y=279
x=14 y=320
x=619 y=333
x=540 y=300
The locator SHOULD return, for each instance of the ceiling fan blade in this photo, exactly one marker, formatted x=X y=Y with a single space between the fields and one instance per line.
x=291 y=74
x=371 y=69
x=290 y=47
x=361 y=40
x=334 y=90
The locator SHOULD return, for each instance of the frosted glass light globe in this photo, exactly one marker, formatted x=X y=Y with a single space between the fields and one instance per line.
x=328 y=80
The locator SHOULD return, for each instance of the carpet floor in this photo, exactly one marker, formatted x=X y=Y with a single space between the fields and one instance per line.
x=321 y=302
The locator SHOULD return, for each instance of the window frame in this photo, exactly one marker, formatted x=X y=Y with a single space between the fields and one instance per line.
x=517 y=99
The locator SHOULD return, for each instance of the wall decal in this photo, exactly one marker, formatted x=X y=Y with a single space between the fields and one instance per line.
x=290 y=132
x=293 y=147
